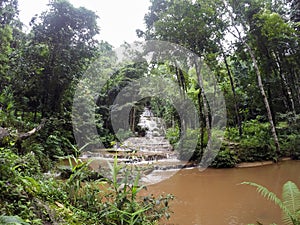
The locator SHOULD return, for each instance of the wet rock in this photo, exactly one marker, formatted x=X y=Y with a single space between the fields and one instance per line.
x=3 y=133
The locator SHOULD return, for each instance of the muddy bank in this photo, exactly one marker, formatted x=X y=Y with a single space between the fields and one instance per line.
x=261 y=163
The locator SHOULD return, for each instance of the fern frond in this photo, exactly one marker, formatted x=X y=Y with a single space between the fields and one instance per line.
x=265 y=193
x=291 y=199
x=291 y=196
x=273 y=197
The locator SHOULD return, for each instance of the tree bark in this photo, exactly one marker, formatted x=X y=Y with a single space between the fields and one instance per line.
x=260 y=84
x=266 y=102
x=24 y=136
x=21 y=136
x=132 y=125
x=236 y=106
x=202 y=123
x=286 y=86
x=205 y=103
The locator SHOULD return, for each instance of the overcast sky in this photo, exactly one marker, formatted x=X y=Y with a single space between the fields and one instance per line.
x=118 y=18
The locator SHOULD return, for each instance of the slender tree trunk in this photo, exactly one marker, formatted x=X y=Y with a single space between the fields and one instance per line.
x=296 y=89
x=266 y=102
x=297 y=81
x=202 y=123
x=236 y=106
x=133 y=119
x=269 y=93
x=260 y=84
x=205 y=103
x=180 y=80
x=34 y=117
x=286 y=86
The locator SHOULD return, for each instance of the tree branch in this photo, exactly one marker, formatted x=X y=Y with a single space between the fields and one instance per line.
x=22 y=136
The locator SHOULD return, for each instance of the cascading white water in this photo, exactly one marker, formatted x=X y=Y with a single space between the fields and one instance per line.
x=154 y=126
x=152 y=149
x=154 y=140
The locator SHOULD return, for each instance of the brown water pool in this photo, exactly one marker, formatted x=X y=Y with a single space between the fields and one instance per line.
x=215 y=196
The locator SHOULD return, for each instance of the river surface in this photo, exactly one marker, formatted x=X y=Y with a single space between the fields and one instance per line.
x=216 y=197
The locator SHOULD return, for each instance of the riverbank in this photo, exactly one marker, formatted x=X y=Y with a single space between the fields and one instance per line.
x=261 y=163
x=164 y=165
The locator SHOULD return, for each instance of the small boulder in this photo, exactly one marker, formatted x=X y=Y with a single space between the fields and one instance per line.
x=3 y=133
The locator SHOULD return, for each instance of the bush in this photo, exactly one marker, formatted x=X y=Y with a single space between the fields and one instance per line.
x=124 y=206
x=19 y=185
x=28 y=196
x=225 y=158
x=124 y=134
x=30 y=146
x=189 y=145
x=290 y=144
x=173 y=135
x=289 y=136
x=256 y=143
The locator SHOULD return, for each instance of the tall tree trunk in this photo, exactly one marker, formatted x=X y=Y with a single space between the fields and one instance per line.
x=132 y=126
x=236 y=106
x=35 y=114
x=202 y=124
x=296 y=87
x=260 y=84
x=205 y=103
x=180 y=80
x=266 y=102
x=285 y=84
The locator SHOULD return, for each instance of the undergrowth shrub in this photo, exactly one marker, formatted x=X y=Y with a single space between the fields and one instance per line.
x=173 y=135
x=289 y=135
x=189 y=145
x=56 y=138
x=128 y=207
x=28 y=196
x=290 y=144
x=19 y=185
x=225 y=158
x=256 y=143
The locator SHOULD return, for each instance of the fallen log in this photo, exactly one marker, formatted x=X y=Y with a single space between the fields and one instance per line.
x=20 y=137
x=24 y=136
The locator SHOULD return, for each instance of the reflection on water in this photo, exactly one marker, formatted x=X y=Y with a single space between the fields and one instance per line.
x=215 y=196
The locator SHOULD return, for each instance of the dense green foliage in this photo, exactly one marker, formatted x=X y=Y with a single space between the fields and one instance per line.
x=40 y=71
x=253 y=52
x=80 y=199
x=250 y=47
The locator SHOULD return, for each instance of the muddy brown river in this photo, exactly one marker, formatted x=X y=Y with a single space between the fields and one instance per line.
x=215 y=196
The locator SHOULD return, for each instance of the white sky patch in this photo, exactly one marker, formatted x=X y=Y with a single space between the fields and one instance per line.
x=118 y=21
